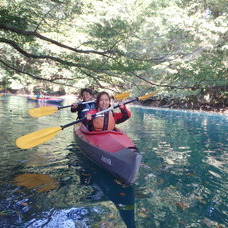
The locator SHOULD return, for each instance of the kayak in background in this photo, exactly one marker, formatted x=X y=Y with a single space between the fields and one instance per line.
x=45 y=99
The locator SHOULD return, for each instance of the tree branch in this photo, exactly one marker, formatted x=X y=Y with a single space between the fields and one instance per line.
x=33 y=76
x=28 y=55
x=34 y=33
x=162 y=85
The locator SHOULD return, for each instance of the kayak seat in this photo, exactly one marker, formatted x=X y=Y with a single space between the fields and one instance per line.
x=86 y=131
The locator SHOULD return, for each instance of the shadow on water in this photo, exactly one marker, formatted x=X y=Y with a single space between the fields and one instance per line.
x=107 y=187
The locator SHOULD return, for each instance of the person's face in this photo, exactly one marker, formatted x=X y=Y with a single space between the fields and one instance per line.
x=104 y=102
x=86 y=96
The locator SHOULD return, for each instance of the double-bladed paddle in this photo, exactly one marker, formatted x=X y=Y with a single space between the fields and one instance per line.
x=48 y=110
x=38 y=137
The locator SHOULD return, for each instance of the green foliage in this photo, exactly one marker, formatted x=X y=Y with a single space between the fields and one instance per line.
x=171 y=44
x=10 y=19
x=114 y=28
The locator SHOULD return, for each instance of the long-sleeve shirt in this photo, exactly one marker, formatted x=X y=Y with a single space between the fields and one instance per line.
x=82 y=109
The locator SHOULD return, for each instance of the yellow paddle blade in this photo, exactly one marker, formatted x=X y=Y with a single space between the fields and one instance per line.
x=148 y=95
x=43 y=111
x=36 y=138
x=122 y=96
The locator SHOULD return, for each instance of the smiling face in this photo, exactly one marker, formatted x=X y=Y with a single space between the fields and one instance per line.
x=86 y=96
x=104 y=102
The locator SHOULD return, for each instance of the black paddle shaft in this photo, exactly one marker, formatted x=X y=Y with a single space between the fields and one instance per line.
x=72 y=123
x=79 y=103
x=61 y=107
x=127 y=102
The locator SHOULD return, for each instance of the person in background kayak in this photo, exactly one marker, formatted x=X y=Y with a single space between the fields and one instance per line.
x=81 y=109
x=106 y=120
x=39 y=95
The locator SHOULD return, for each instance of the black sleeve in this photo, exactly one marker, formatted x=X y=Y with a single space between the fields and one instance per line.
x=74 y=109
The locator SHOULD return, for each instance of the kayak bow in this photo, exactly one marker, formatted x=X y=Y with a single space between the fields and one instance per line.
x=112 y=150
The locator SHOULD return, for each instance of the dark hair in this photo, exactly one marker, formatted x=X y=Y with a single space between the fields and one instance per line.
x=99 y=96
x=86 y=90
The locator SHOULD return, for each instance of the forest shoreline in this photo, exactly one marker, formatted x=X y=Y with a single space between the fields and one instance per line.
x=188 y=105
x=179 y=104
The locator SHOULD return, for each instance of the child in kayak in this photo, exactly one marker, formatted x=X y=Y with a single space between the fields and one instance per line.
x=106 y=120
x=82 y=109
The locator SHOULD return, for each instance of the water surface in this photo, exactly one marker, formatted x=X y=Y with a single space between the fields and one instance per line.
x=182 y=180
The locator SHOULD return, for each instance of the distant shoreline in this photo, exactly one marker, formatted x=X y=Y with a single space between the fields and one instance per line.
x=215 y=108
x=196 y=106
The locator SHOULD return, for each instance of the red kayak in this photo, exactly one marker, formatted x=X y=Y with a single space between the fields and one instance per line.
x=46 y=99
x=112 y=150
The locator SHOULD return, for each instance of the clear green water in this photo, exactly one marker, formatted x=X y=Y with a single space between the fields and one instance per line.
x=182 y=181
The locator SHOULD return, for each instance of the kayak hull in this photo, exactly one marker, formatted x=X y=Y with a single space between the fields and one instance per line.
x=112 y=150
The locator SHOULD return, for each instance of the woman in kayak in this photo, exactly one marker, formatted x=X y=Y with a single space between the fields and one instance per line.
x=106 y=120
x=82 y=109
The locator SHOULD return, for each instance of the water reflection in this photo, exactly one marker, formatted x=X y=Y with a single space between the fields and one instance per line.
x=186 y=156
x=182 y=181
x=106 y=186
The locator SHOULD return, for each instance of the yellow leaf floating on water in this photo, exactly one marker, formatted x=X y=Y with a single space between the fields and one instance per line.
x=142 y=215
x=107 y=224
x=122 y=194
x=201 y=199
x=160 y=181
x=182 y=205
x=190 y=174
x=41 y=182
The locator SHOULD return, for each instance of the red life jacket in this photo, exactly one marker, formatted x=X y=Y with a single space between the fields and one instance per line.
x=104 y=121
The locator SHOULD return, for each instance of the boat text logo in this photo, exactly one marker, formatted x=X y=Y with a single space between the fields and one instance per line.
x=106 y=160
